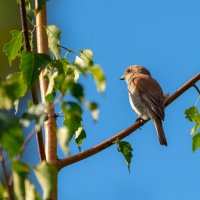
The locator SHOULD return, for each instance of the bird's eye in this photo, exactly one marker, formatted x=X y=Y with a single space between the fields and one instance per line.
x=128 y=70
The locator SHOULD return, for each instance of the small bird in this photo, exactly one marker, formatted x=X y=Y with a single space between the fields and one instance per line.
x=146 y=97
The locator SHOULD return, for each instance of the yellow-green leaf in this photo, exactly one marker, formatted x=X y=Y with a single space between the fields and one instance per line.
x=99 y=77
x=46 y=176
x=62 y=136
x=80 y=135
x=20 y=171
x=87 y=56
x=53 y=33
x=30 y=191
x=3 y=192
x=196 y=142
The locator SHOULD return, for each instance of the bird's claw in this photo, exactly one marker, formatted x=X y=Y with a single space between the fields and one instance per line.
x=140 y=120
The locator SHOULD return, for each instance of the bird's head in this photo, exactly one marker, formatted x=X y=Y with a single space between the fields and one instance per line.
x=134 y=70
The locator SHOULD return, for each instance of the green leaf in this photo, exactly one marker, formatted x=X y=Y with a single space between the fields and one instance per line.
x=50 y=97
x=31 y=193
x=99 y=77
x=12 y=48
x=9 y=93
x=93 y=108
x=31 y=64
x=35 y=112
x=72 y=118
x=62 y=136
x=11 y=90
x=83 y=62
x=53 y=33
x=195 y=142
x=20 y=171
x=11 y=135
x=80 y=135
x=30 y=103
x=194 y=129
x=61 y=75
x=17 y=78
x=192 y=114
x=46 y=175
x=50 y=93
x=20 y=167
x=77 y=91
x=126 y=149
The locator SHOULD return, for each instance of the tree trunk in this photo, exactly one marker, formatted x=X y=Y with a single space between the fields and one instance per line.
x=50 y=124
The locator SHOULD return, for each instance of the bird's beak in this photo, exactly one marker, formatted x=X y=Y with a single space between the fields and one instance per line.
x=122 y=77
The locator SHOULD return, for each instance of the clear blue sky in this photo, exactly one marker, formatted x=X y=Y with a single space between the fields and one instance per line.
x=164 y=36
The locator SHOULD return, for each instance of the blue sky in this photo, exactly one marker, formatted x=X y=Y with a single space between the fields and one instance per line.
x=164 y=36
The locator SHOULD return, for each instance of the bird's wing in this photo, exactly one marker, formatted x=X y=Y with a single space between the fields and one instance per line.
x=151 y=94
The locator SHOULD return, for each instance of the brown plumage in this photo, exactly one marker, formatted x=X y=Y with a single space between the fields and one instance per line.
x=146 y=97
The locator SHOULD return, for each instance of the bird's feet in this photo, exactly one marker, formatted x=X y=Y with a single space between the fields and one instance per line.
x=140 y=120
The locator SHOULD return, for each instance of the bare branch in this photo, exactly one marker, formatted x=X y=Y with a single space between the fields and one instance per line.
x=107 y=143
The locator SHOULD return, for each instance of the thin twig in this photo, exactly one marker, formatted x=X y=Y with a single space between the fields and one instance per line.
x=195 y=86
x=69 y=50
x=26 y=141
x=39 y=136
x=74 y=52
x=107 y=143
x=5 y=175
x=27 y=47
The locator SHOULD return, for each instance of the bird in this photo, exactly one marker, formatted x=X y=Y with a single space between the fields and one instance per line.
x=146 y=97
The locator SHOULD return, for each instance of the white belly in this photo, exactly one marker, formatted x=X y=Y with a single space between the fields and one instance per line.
x=138 y=106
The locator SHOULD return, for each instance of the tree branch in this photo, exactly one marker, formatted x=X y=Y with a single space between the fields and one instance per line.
x=27 y=47
x=107 y=143
x=5 y=175
x=50 y=125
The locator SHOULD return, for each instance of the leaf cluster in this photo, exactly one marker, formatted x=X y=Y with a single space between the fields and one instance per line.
x=193 y=115
x=63 y=77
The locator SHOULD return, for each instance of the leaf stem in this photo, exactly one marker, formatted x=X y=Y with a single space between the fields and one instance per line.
x=69 y=50
x=195 y=86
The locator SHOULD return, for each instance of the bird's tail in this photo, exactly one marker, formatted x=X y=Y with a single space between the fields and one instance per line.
x=160 y=131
